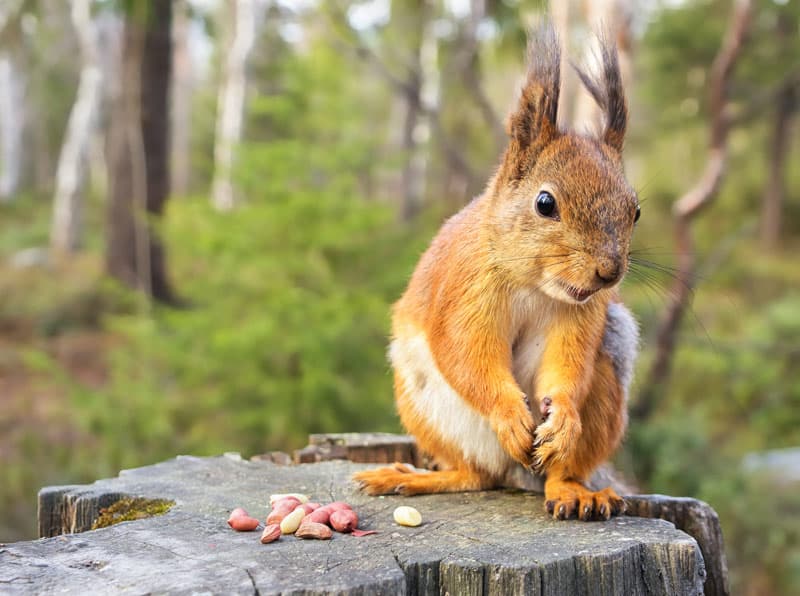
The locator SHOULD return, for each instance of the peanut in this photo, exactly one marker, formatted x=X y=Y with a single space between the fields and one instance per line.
x=344 y=520
x=270 y=534
x=319 y=516
x=281 y=509
x=338 y=506
x=314 y=530
x=243 y=523
x=238 y=512
x=307 y=507
x=291 y=522
x=407 y=516
x=275 y=498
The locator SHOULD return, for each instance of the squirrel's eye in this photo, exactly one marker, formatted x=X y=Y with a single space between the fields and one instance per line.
x=638 y=214
x=546 y=205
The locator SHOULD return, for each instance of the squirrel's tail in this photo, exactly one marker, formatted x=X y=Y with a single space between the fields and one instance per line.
x=406 y=480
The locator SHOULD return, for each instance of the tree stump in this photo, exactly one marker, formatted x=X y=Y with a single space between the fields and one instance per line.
x=491 y=542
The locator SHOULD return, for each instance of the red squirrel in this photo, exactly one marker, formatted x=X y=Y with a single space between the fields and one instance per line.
x=510 y=343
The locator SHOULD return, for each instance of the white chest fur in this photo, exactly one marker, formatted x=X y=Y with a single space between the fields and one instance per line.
x=531 y=314
x=443 y=408
x=437 y=402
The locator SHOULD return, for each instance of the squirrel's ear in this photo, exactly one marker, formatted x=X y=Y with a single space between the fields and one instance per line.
x=533 y=124
x=607 y=90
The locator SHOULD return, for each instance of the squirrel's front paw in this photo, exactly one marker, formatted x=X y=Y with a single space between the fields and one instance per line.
x=557 y=435
x=514 y=424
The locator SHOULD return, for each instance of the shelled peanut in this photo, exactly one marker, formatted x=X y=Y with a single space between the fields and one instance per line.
x=241 y=521
x=292 y=513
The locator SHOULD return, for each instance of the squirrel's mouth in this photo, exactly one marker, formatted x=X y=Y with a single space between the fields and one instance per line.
x=578 y=294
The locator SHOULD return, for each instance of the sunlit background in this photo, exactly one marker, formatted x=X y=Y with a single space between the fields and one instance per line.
x=212 y=270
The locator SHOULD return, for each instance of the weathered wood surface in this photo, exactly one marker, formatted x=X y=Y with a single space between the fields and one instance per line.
x=497 y=542
x=697 y=519
x=378 y=448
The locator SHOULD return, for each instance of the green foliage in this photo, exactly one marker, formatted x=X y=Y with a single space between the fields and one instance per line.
x=287 y=298
x=285 y=332
x=287 y=321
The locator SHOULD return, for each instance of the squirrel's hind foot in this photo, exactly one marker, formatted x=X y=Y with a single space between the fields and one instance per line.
x=401 y=479
x=566 y=498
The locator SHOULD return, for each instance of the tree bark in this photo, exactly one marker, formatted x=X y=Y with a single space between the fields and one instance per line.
x=12 y=117
x=139 y=154
x=470 y=65
x=72 y=164
x=230 y=109
x=605 y=18
x=687 y=207
x=775 y=187
x=180 y=143
x=422 y=102
x=562 y=13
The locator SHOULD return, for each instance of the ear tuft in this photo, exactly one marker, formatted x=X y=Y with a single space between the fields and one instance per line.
x=607 y=90
x=533 y=124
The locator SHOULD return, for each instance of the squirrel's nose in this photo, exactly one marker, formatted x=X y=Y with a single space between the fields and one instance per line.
x=608 y=271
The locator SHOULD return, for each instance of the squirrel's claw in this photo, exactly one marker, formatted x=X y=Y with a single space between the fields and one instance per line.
x=556 y=437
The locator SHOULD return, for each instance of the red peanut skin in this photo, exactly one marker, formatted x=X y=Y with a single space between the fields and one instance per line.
x=281 y=509
x=270 y=534
x=319 y=516
x=243 y=523
x=338 y=506
x=344 y=520
x=323 y=532
x=308 y=507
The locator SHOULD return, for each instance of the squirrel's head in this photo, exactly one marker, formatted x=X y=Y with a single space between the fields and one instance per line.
x=562 y=210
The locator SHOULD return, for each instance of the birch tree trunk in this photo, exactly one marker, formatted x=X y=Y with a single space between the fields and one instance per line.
x=72 y=169
x=230 y=109
x=181 y=100
x=562 y=13
x=611 y=18
x=12 y=118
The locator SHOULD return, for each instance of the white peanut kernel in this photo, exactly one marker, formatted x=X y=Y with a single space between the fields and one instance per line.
x=407 y=516
x=291 y=522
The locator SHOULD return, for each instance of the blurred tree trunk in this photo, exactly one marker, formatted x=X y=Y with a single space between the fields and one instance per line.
x=688 y=206
x=139 y=154
x=563 y=13
x=469 y=64
x=12 y=118
x=230 y=106
x=71 y=174
x=422 y=103
x=610 y=18
x=180 y=144
x=12 y=108
x=775 y=187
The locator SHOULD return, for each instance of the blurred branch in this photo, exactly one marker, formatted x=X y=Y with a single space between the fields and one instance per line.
x=408 y=87
x=687 y=207
x=351 y=40
x=11 y=19
x=468 y=63
x=766 y=99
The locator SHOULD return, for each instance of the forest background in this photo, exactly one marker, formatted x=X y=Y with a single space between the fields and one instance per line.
x=208 y=207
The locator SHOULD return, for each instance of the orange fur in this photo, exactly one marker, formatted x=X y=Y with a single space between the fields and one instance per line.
x=498 y=340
